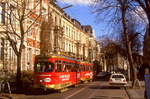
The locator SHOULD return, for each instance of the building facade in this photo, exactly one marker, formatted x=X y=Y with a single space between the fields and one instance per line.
x=54 y=31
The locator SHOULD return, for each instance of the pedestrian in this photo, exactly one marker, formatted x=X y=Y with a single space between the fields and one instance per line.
x=146 y=71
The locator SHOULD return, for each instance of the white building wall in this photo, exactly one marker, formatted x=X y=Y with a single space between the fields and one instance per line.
x=72 y=35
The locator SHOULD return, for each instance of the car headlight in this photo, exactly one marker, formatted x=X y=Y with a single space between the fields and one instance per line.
x=47 y=79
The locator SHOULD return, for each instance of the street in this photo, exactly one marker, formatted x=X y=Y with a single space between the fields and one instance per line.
x=91 y=90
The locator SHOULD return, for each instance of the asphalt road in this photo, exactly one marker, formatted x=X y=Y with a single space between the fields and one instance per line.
x=91 y=90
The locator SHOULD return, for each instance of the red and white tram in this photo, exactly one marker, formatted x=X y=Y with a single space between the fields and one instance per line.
x=57 y=72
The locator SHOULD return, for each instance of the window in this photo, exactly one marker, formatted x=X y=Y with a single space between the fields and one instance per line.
x=66 y=30
x=28 y=3
x=117 y=76
x=11 y=17
x=29 y=56
x=44 y=12
x=37 y=6
x=10 y=54
x=60 y=22
x=58 y=66
x=2 y=13
x=2 y=49
x=67 y=67
x=55 y=20
x=44 y=67
x=30 y=33
x=73 y=68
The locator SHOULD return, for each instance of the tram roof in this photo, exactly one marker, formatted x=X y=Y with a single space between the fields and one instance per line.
x=57 y=56
x=62 y=56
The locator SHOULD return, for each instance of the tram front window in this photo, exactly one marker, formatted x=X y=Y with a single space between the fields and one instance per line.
x=44 y=67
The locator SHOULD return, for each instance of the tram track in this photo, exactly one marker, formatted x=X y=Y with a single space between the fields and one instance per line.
x=80 y=90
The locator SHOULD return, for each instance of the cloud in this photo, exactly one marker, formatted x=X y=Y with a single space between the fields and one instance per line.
x=78 y=2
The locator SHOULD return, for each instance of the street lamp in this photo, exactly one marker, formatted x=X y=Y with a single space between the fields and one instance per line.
x=67 y=7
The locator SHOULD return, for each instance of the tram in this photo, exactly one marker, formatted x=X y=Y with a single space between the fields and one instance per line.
x=58 y=72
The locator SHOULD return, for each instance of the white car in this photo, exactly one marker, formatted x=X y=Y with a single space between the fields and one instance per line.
x=117 y=80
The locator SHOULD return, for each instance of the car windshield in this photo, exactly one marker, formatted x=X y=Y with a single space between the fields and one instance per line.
x=117 y=76
x=44 y=67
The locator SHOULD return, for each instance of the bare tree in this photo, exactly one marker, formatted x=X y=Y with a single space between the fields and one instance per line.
x=117 y=10
x=124 y=6
x=145 y=5
x=16 y=25
x=135 y=35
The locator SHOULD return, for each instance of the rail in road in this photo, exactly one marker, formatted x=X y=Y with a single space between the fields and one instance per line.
x=99 y=90
x=91 y=90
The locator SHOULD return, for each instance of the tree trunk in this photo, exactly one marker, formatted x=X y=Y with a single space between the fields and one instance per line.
x=18 y=75
x=128 y=45
x=146 y=49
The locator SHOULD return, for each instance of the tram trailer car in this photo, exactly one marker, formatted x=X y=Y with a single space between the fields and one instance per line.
x=57 y=72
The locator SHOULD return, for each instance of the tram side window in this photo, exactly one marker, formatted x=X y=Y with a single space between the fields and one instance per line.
x=83 y=68
x=77 y=67
x=68 y=67
x=73 y=68
x=58 y=68
x=65 y=67
x=80 y=68
x=90 y=67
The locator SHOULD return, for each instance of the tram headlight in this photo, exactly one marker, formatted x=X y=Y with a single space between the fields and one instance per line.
x=47 y=79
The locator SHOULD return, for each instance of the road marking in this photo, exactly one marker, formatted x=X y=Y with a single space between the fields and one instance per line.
x=93 y=93
x=77 y=92
x=127 y=92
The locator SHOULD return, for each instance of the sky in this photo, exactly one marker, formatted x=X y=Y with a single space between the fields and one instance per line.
x=83 y=13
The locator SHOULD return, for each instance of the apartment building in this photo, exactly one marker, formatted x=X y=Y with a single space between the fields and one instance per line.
x=54 y=31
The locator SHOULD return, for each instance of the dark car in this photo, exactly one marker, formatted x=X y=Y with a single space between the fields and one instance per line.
x=103 y=75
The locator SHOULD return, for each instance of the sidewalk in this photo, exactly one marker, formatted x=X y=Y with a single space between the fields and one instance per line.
x=136 y=93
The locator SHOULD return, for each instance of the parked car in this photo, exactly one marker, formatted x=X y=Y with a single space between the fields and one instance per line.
x=117 y=80
x=103 y=75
